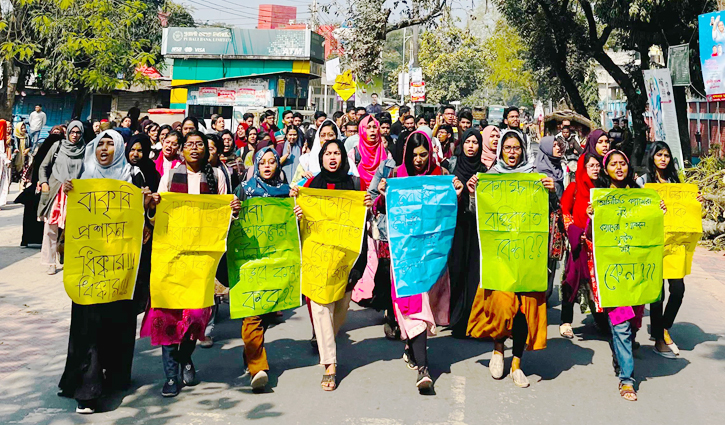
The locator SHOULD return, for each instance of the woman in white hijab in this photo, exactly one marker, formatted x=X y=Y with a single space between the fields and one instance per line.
x=310 y=161
x=105 y=158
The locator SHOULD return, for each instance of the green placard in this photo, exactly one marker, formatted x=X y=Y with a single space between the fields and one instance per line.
x=628 y=232
x=263 y=258
x=512 y=212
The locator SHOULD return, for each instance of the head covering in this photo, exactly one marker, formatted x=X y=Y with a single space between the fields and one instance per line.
x=17 y=133
x=547 y=163
x=591 y=146
x=257 y=186
x=105 y=125
x=314 y=162
x=467 y=166
x=488 y=153
x=432 y=169
x=58 y=128
x=339 y=179
x=125 y=133
x=3 y=131
x=238 y=141
x=117 y=170
x=371 y=154
x=145 y=165
x=69 y=162
x=524 y=165
x=581 y=197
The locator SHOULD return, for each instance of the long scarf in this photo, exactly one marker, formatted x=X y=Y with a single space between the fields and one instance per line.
x=371 y=153
x=273 y=187
x=547 y=163
x=524 y=166
x=338 y=179
x=22 y=140
x=180 y=182
x=69 y=162
x=467 y=166
x=488 y=153
x=581 y=197
x=117 y=170
x=160 y=163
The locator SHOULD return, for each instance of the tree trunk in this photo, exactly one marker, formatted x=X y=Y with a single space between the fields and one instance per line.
x=636 y=101
x=571 y=88
x=683 y=123
x=10 y=77
x=81 y=96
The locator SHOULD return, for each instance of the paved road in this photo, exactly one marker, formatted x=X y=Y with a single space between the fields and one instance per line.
x=572 y=381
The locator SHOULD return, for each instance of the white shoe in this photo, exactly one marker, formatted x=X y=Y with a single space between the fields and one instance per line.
x=495 y=366
x=260 y=380
x=52 y=270
x=671 y=344
x=519 y=378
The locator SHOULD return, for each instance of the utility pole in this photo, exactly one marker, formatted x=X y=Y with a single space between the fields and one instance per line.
x=313 y=12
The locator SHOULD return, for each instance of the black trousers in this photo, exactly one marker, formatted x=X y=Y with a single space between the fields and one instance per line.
x=418 y=349
x=661 y=321
x=519 y=333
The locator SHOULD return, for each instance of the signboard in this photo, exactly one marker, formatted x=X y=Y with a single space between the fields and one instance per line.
x=662 y=107
x=240 y=43
x=712 y=54
x=364 y=90
x=678 y=62
x=416 y=75
x=417 y=92
x=344 y=85
x=253 y=92
x=207 y=96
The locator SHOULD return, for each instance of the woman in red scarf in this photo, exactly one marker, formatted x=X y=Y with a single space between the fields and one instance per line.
x=370 y=152
x=574 y=204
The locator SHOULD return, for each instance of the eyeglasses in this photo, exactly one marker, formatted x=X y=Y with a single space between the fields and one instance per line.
x=194 y=145
x=76 y=132
x=594 y=167
x=512 y=148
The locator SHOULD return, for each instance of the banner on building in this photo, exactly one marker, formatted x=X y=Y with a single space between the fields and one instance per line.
x=190 y=237
x=417 y=92
x=628 y=237
x=662 y=107
x=421 y=222
x=683 y=226
x=712 y=55
x=512 y=212
x=104 y=234
x=331 y=230
x=263 y=258
x=678 y=62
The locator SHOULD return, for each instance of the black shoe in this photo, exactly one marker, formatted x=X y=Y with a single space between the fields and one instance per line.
x=391 y=330
x=188 y=375
x=424 y=382
x=171 y=388
x=408 y=359
x=86 y=407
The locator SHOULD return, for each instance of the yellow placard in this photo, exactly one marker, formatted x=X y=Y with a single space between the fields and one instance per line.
x=683 y=226
x=331 y=231
x=104 y=234
x=344 y=85
x=189 y=240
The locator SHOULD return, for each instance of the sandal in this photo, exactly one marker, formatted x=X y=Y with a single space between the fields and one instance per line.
x=328 y=382
x=627 y=392
x=566 y=331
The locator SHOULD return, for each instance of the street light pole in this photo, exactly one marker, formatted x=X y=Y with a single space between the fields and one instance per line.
x=402 y=74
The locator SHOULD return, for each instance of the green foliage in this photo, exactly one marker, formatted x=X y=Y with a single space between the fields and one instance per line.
x=93 y=45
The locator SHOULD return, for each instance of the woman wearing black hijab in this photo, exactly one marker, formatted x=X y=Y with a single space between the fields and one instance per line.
x=143 y=169
x=30 y=197
x=464 y=260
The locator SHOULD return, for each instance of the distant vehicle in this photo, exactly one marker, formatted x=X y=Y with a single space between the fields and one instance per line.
x=495 y=114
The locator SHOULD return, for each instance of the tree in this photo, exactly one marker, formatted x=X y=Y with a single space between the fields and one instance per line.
x=368 y=23
x=80 y=45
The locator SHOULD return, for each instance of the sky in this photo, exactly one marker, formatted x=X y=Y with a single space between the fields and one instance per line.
x=243 y=13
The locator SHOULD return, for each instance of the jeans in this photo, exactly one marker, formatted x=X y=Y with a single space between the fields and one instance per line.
x=173 y=355
x=660 y=321
x=621 y=344
x=34 y=137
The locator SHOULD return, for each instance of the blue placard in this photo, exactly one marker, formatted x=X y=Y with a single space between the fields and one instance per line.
x=421 y=223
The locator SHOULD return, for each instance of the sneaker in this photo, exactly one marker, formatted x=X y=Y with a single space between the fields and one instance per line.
x=424 y=382
x=671 y=344
x=259 y=381
x=86 y=407
x=188 y=375
x=409 y=360
x=171 y=388
x=207 y=342
x=519 y=378
x=52 y=270
x=495 y=366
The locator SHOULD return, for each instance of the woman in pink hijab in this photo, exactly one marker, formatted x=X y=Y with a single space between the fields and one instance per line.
x=370 y=152
x=491 y=135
